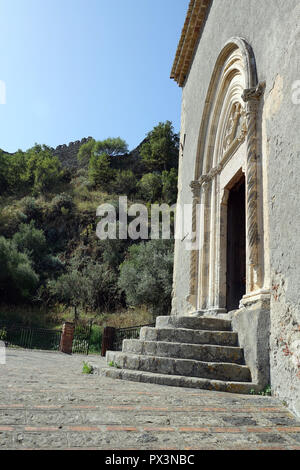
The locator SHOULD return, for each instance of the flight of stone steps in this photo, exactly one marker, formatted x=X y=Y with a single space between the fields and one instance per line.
x=195 y=352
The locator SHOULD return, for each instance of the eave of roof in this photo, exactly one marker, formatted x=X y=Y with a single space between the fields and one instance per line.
x=191 y=31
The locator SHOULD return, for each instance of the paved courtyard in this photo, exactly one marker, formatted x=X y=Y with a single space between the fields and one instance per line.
x=47 y=403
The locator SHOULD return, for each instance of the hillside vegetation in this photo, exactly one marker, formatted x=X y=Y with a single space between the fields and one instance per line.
x=52 y=265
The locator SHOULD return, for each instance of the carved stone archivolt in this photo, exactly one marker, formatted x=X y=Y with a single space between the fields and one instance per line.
x=233 y=102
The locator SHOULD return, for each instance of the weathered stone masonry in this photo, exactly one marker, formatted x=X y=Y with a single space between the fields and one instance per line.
x=235 y=323
x=236 y=64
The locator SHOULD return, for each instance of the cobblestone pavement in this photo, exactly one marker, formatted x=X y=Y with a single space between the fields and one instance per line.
x=47 y=403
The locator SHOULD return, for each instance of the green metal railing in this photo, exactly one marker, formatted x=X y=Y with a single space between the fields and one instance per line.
x=19 y=336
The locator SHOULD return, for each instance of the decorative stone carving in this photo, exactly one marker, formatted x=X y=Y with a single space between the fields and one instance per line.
x=232 y=126
x=252 y=96
x=254 y=93
x=234 y=108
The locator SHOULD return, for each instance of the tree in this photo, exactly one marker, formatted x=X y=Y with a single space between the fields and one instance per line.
x=113 y=252
x=3 y=172
x=150 y=187
x=13 y=172
x=111 y=147
x=43 y=170
x=102 y=287
x=146 y=275
x=170 y=182
x=124 y=182
x=160 y=151
x=85 y=152
x=70 y=289
x=100 y=171
x=86 y=283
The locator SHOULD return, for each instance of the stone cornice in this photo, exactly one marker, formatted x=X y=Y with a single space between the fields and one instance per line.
x=191 y=31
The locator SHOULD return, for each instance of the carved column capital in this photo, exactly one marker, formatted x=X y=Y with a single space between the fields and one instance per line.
x=198 y=185
x=196 y=188
x=206 y=186
x=254 y=93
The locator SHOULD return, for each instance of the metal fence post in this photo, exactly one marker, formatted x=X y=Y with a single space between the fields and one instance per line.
x=89 y=336
x=108 y=339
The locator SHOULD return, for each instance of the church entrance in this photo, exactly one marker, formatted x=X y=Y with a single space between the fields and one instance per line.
x=236 y=245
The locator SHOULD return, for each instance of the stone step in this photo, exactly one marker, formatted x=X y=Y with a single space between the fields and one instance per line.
x=185 y=367
x=183 y=335
x=177 y=380
x=193 y=323
x=206 y=353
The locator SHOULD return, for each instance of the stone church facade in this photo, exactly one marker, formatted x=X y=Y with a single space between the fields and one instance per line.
x=238 y=64
x=235 y=323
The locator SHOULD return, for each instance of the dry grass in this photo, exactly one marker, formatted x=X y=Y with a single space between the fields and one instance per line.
x=55 y=317
x=122 y=319
x=87 y=200
x=131 y=317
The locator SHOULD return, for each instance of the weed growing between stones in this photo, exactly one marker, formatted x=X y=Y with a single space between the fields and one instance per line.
x=114 y=364
x=266 y=392
x=87 y=368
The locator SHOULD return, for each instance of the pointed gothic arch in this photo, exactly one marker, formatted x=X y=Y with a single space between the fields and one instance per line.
x=228 y=145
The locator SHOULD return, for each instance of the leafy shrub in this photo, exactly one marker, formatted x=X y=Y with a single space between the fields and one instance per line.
x=10 y=219
x=31 y=241
x=18 y=280
x=32 y=208
x=81 y=173
x=62 y=203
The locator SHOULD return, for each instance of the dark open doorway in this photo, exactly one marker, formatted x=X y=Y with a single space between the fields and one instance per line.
x=236 y=245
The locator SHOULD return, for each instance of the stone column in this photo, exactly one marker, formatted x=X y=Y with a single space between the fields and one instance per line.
x=67 y=336
x=194 y=256
x=204 y=246
x=222 y=252
x=254 y=269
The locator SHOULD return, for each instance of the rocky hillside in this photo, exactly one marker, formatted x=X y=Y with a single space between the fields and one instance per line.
x=67 y=154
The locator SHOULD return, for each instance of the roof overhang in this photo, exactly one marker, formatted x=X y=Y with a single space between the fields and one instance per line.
x=192 y=29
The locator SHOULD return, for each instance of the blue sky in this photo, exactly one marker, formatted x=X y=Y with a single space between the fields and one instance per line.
x=78 y=68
